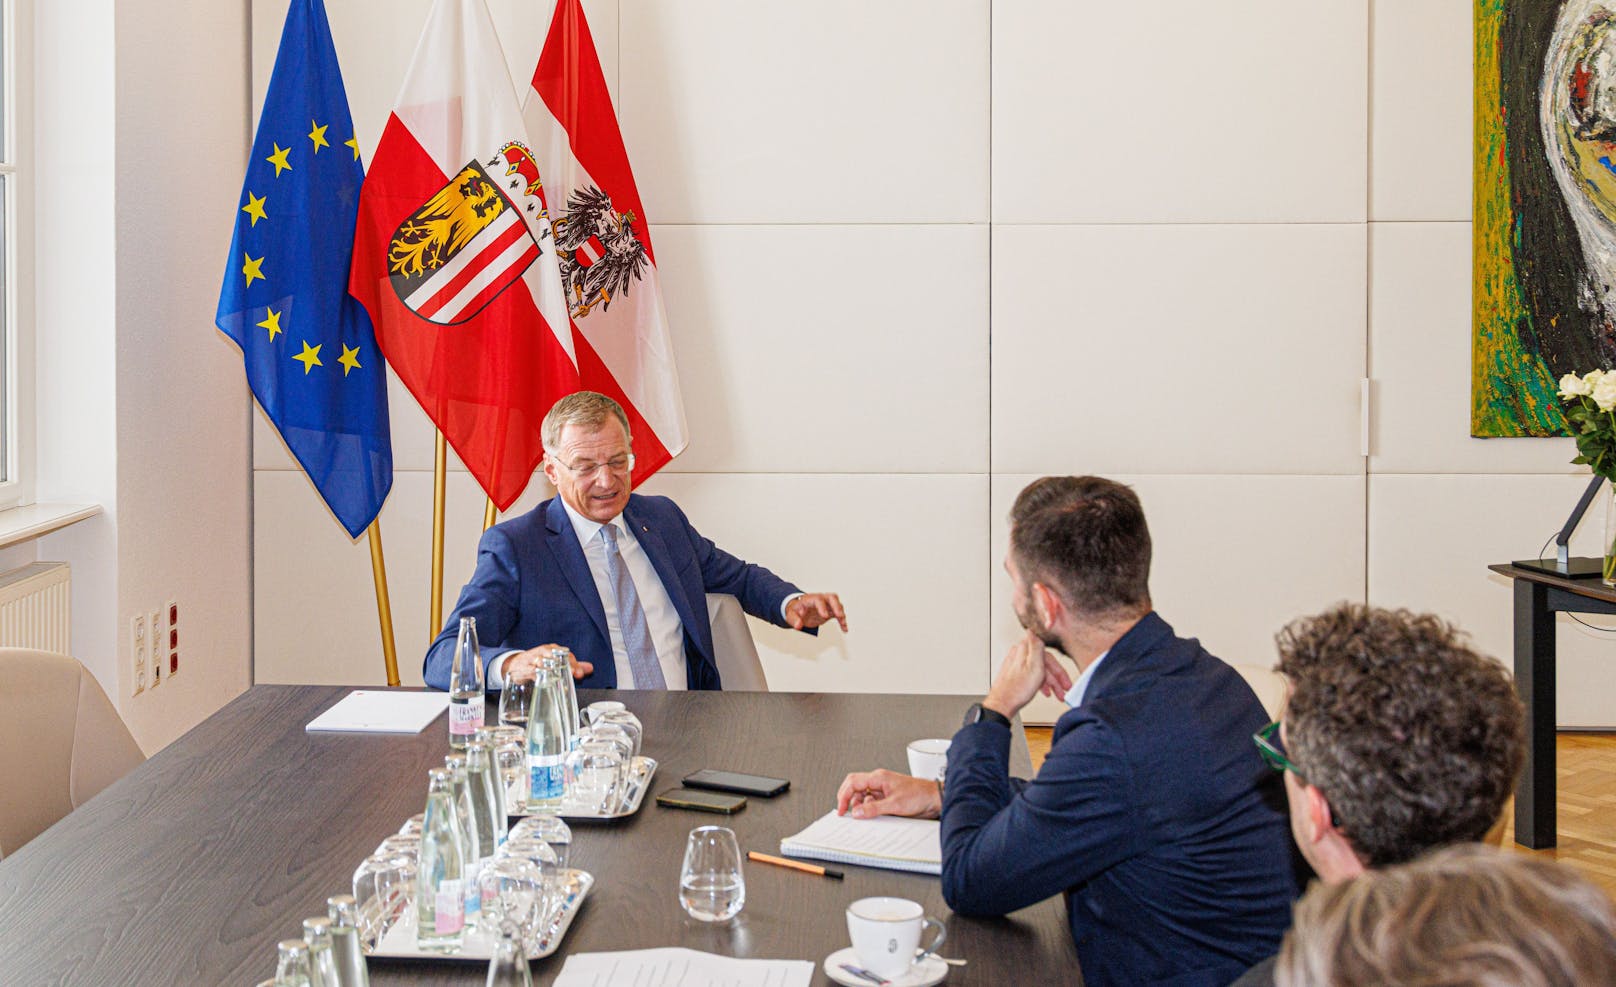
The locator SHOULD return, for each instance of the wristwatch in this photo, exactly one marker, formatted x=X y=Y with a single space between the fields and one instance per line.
x=978 y=712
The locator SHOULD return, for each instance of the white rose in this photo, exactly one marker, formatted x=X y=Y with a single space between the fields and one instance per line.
x=1604 y=392
x=1572 y=386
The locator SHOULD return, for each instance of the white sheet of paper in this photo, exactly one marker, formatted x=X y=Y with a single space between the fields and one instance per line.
x=378 y=711
x=677 y=967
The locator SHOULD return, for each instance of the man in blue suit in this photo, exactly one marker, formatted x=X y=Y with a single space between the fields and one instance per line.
x=1150 y=813
x=615 y=580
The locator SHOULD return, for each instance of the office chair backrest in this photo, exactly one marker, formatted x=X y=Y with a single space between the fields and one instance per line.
x=61 y=742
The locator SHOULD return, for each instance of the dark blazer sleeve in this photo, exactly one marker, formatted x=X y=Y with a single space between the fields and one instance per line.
x=492 y=597
x=1005 y=848
x=760 y=591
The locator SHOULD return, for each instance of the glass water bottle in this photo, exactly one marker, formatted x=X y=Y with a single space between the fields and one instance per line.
x=547 y=741
x=440 y=890
x=322 y=962
x=465 y=686
x=343 y=911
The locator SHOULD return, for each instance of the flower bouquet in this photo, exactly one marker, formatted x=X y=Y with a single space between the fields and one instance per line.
x=1591 y=413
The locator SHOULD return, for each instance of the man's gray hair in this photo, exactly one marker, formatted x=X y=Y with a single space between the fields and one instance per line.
x=588 y=409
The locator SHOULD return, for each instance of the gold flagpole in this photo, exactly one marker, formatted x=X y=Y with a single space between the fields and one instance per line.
x=490 y=514
x=438 y=470
x=384 y=605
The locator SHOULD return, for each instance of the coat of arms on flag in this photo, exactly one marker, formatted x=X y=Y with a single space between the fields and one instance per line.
x=601 y=256
x=470 y=240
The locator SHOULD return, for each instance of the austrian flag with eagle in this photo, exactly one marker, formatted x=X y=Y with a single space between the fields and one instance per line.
x=470 y=241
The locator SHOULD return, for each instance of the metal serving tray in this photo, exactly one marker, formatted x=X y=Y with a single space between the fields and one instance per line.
x=478 y=946
x=638 y=783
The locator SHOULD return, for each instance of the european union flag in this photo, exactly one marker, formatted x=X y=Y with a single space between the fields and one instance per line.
x=309 y=349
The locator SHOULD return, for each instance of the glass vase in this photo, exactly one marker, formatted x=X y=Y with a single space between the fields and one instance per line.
x=1608 y=570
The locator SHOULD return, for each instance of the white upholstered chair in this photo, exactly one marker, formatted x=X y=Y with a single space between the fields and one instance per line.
x=739 y=667
x=61 y=742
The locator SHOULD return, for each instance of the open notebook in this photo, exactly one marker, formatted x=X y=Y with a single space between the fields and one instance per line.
x=887 y=841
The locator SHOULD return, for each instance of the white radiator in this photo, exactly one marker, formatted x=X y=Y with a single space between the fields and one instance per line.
x=35 y=607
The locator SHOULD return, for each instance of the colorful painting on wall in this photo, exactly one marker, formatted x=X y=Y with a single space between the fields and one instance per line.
x=1544 y=299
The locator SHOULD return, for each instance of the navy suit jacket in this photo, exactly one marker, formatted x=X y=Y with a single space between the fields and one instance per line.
x=1153 y=814
x=532 y=585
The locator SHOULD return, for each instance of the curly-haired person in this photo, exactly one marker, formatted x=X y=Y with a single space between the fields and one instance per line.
x=1397 y=738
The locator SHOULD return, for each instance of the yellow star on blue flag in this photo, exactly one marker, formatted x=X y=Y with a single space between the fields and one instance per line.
x=288 y=279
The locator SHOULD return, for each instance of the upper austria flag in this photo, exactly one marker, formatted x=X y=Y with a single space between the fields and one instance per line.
x=310 y=355
x=603 y=240
x=454 y=256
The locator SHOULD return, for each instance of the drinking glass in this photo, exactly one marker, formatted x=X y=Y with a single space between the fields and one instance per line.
x=596 y=770
x=712 y=887
x=515 y=891
x=611 y=711
x=613 y=732
x=514 y=700
x=412 y=825
x=551 y=830
x=511 y=760
x=383 y=887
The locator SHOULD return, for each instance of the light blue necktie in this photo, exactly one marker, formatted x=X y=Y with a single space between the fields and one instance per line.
x=642 y=656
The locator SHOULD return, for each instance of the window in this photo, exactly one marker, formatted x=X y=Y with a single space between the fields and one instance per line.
x=16 y=271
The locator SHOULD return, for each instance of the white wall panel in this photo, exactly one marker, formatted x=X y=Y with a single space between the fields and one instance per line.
x=375 y=40
x=1419 y=331
x=913 y=629
x=838 y=111
x=1234 y=557
x=905 y=553
x=1178 y=349
x=1175 y=111
x=1420 y=105
x=1431 y=539
x=830 y=348
x=315 y=603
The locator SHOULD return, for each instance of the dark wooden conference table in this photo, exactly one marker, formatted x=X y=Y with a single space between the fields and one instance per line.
x=191 y=868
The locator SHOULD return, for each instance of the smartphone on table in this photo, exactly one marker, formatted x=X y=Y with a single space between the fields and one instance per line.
x=686 y=798
x=734 y=781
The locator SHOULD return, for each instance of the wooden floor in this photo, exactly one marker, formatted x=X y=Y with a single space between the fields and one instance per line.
x=1587 y=803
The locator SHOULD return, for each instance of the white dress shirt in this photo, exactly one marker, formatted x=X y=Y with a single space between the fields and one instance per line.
x=1074 y=695
x=667 y=631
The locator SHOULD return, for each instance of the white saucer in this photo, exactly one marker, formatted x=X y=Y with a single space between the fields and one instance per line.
x=928 y=971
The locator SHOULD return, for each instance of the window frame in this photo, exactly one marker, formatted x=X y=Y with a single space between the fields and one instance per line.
x=17 y=90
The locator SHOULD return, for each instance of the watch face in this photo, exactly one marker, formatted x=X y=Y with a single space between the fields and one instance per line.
x=974 y=714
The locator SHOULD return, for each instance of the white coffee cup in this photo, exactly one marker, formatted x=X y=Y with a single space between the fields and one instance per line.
x=928 y=759
x=886 y=934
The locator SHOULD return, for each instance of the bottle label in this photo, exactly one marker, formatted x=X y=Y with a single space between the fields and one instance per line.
x=449 y=912
x=547 y=777
x=474 y=898
x=465 y=718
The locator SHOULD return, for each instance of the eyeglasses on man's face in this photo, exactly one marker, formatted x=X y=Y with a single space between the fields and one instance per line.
x=617 y=465
x=1272 y=749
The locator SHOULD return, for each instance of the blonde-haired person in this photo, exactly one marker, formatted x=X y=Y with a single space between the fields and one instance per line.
x=1466 y=916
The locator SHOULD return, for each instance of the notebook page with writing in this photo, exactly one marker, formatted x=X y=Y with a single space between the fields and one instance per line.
x=890 y=842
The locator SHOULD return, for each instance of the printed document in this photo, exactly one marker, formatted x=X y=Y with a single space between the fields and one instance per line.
x=677 y=967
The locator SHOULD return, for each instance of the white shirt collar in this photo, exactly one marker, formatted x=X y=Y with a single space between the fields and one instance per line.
x=1074 y=695
x=587 y=529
